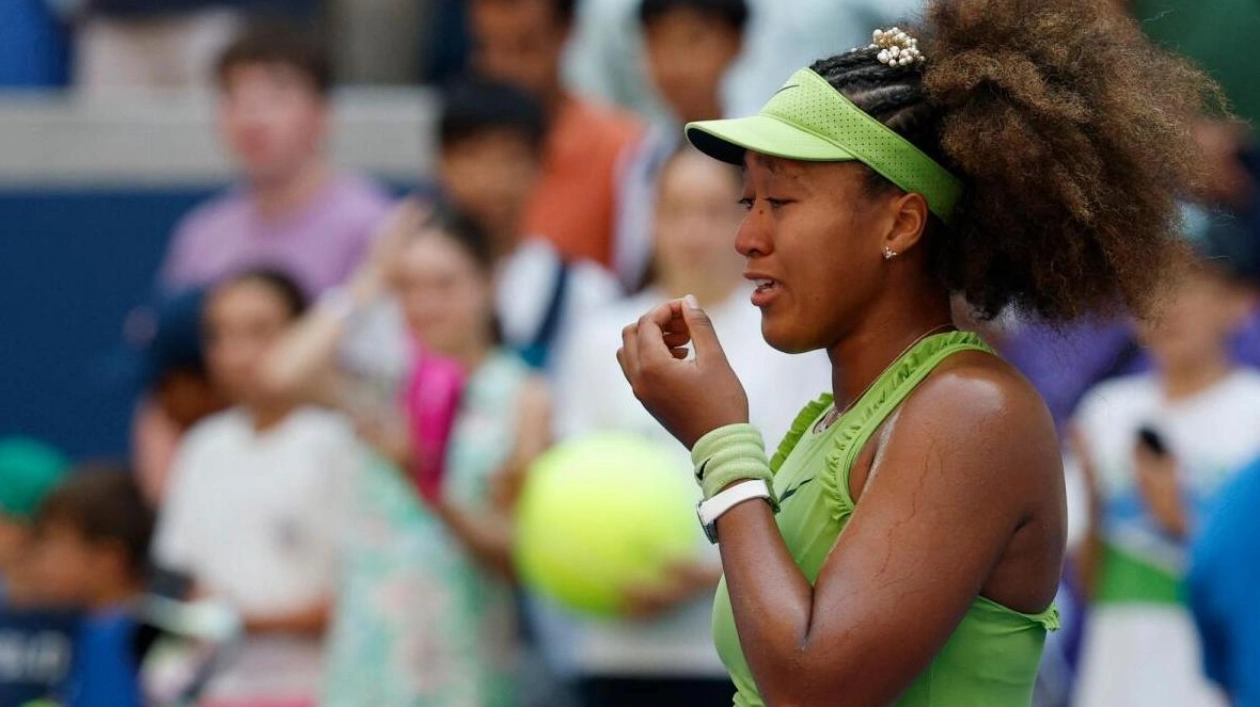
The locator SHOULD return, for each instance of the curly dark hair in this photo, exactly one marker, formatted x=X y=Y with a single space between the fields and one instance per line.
x=1072 y=135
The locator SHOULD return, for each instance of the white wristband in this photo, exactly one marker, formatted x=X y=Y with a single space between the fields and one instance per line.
x=709 y=511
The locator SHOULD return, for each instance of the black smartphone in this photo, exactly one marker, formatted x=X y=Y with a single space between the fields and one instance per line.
x=1152 y=440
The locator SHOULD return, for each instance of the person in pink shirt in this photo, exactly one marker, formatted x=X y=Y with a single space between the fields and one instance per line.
x=291 y=210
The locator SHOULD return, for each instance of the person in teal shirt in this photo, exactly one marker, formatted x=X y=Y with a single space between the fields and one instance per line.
x=904 y=544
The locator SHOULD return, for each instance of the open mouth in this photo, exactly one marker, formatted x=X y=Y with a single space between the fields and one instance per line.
x=765 y=284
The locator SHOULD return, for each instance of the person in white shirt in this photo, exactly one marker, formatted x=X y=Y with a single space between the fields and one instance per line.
x=252 y=514
x=1151 y=451
x=662 y=653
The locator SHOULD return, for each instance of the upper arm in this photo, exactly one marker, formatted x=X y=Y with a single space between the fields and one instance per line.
x=947 y=490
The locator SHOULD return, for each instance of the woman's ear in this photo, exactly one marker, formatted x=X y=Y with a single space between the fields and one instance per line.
x=909 y=221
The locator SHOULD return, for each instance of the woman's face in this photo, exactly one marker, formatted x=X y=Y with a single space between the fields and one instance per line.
x=696 y=213
x=446 y=296
x=813 y=238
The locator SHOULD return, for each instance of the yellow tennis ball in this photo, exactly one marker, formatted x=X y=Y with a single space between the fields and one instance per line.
x=603 y=513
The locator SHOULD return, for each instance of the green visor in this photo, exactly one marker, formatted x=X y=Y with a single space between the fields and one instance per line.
x=809 y=120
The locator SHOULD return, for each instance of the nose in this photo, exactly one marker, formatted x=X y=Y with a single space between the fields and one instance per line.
x=754 y=238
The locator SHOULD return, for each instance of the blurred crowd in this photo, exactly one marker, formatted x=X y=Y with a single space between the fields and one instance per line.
x=343 y=390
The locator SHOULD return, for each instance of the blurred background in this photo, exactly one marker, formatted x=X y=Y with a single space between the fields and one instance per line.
x=308 y=392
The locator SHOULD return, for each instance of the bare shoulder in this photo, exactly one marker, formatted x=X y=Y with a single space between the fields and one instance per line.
x=985 y=414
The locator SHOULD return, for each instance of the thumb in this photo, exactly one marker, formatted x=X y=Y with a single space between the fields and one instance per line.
x=700 y=327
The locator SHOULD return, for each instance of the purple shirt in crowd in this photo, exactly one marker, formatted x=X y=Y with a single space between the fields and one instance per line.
x=318 y=244
x=1064 y=365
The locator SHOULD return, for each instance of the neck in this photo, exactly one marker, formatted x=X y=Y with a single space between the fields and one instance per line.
x=1196 y=377
x=707 y=107
x=553 y=99
x=267 y=416
x=473 y=354
x=885 y=333
x=276 y=197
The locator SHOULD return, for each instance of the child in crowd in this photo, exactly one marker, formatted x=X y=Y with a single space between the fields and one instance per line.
x=425 y=616
x=665 y=656
x=293 y=210
x=493 y=152
x=92 y=555
x=29 y=470
x=36 y=640
x=1153 y=451
x=575 y=204
x=253 y=513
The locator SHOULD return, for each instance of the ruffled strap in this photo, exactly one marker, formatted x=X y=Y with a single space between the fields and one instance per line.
x=892 y=387
x=800 y=426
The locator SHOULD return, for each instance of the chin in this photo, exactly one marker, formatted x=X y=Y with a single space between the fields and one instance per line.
x=784 y=341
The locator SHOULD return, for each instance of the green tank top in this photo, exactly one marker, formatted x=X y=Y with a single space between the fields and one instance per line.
x=992 y=657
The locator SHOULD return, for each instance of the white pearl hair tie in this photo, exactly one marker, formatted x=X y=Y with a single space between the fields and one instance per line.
x=896 y=47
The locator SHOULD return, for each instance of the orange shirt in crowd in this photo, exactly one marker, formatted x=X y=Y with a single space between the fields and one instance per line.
x=575 y=203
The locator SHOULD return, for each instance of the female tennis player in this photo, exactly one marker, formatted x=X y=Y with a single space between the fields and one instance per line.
x=904 y=544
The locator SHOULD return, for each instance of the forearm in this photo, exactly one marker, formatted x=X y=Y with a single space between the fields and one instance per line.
x=294 y=369
x=487 y=536
x=310 y=621
x=771 y=600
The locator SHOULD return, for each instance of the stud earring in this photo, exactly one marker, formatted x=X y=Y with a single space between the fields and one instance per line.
x=889 y=253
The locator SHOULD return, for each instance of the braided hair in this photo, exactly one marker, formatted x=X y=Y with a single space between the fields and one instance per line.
x=1071 y=134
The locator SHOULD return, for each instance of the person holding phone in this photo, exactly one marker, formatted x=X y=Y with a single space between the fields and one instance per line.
x=1150 y=453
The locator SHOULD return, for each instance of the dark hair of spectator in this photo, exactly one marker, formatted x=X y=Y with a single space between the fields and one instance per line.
x=275 y=42
x=103 y=502
x=283 y=285
x=1071 y=134
x=464 y=232
x=474 y=107
x=733 y=13
x=564 y=9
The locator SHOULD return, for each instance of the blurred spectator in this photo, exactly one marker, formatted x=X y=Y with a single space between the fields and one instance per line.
x=29 y=470
x=492 y=140
x=254 y=510
x=690 y=46
x=176 y=388
x=1064 y=363
x=1223 y=579
x=1154 y=451
x=293 y=210
x=575 y=203
x=159 y=44
x=91 y=554
x=33 y=45
x=606 y=59
x=36 y=641
x=425 y=615
x=665 y=656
